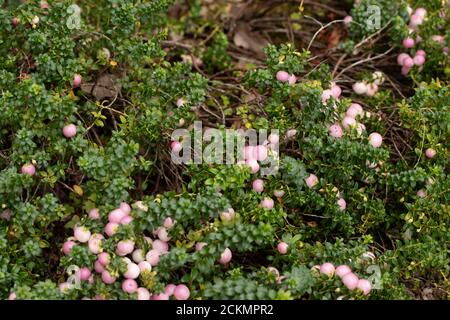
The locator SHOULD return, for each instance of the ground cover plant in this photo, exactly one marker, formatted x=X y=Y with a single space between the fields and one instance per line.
x=354 y=97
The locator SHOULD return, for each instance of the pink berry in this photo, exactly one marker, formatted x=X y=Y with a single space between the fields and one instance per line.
x=95 y=243
x=199 y=246
x=326 y=95
x=82 y=234
x=401 y=58
x=43 y=5
x=419 y=60
x=168 y=223
x=342 y=270
x=176 y=146
x=125 y=207
x=138 y=255
x=67 y=246
x=15 y=22
x=282 y=247
x=125 y=247
x=249 y=152
x=144 y=266
x=360 y=88
x=438 y=38
x=311 y=180
x=107 y=277
x=405 y=70
x=430 y=153
x=12 y=296
x=116 y=215
x=342 y=204
x=181 y=292
x=291 y=133
x=85 y=273
x=292 y=79
x=133 y=271
x=408 y=43
x=126 y=220
x=415 y=21
x=282 y=76
x=104 y=258
x=365 y=286
x=180 y=102
x=76 y=80
x=163 y=235
x=421 y=53
x=29 y=169
x=348 y=20
x=354 y=110
x=111 y=228
x=327 y=268
x=69 y=130
x=421 y=193
x=274 y=138
x=258 y=185
x=161 y=246
x=335 y=131
x=143 y=294
x=278 y=193
x=350 y=280
x=336 y=91
x=170 y=289
x=261 y=153
x=161 y=296
x=421 y=12
x=267 y=203
x=98 y=267
x=129 y=286
x=253 y=164
x=225 y=257
x=152 y=257
x=227 y=216
x=94 y=214
x=375 y=139
x=372 y=89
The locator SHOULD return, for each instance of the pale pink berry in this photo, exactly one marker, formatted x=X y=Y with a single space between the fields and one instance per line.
x=278 y=193
x=129 y=286
x=267 y=203
x=94 y=214
x=408 y=62
x=176 y=146
x=311 y=180
x=65 y=287
x=98 y=267
x=111 y=228
x=405 y=70
x=161 y=246
x=292 y=79
x=249 y=152
x=200 y=245
x=354 y=110
x=170 y=289
x=107 y=277
x=143 y=294
x=335 y=131
x=438 y=38
x=163 y=235
x=401 y=58
x=375 y=139
x=421 y=12
x=29 y=169
x=226 y=256
x=152 y=257
x=430 y=153
x=291 y=133
x=126 y=220
x=81 y=234
x=181 y=292
x=168 y=223
x=372 y=89
x=360 y=128
x=360 y=88
x=69 y=130
x=12 y=296
x=415 y=21
x=421 y=53
x=138 y=255
x=408 y=43
x=44 y=5
x=336 y=91
x=419 y=60
x=342 y=204
x=350 y=280
x=125 y=247
x=141 y=206
x=282 y=76
x=180 y=102
x=342 y=270
x=85 y=273
x=95 y=243
x=67 y=246
x=274 y=138
x=144 y=266
x=326 y=95
x=15 y=22
x=261 y=153
x=327 y=268
x=161 y=296
x=365 y=286
x=104 y=258
x=125 y=207
x=282 y=247
x=258 y=185
x=133 y=271
x=348 y=20
x=253 y=164
x=76 y=80
x=227 y=215
x=116 y=215
x=421 y=193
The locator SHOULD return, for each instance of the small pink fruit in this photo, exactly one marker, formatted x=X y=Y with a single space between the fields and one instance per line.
x=152 y=257
x=291 y=133
x=144 y=266
x=181 y=292
x=161 y=296
x=170 y=289
x=116 y=215
x=94 y=214
x=360 y=88
x=274 y=138
x=292 y=79
x=365 y=286
x=15 y=22
x=401 y=58
x=138 y=255
x=354 y=110
x=327 y=268
x=82 y=234
x=421 y=53
x=375 y=139
x=161 y=246
x=342 y=270
x=104 y=258
x=253 y=164
x=348 y=20
x=76 y=80
x=125 y=247
x=278 y=193
x=176 y=146
x=143 y=294
x=267 y=203
x=336 y=91
x=227 y=215
x=258 y=185
x=282 y=247
x=438 y=38
x=430 y=153
x=98 y=267
x=350 y=280
x=44 y=5
x=408 y=62
x=12 y=296
x=372 y=89
x=168 y=223
x=326 y=95
x=408 y=43
x=415 y=21
x=69 y=130
x=342 y=204
x=335 y=131
x=126 y=220
x=225 y=257
x=261 y=153
x=282 y=76
x=29 y=169
x=129 y=286
x=133 y=271
x=200 y=245
x=108 y=278
x=111 y=228
x=125 y=207
x=180 y=102
x=65 y=287
x=421 y=193
x=67 y=246
x=419 y=60
x=85 y=273
x=421 y=12
x=311 y=180
x=163 y=235
x=95 y=243
x=249 y=152
x=405 y=70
